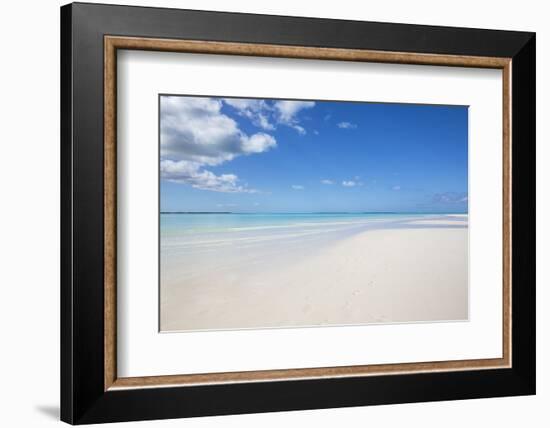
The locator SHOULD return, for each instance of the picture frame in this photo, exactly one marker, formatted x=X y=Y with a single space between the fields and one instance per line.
x=91 y=390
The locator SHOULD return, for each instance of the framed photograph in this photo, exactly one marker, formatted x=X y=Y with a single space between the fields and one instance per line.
x=265 y=213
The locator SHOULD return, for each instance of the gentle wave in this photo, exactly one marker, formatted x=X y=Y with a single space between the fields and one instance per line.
x=215 y=223
x=178 y=237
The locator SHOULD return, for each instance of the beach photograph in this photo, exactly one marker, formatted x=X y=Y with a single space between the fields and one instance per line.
x=282 y=213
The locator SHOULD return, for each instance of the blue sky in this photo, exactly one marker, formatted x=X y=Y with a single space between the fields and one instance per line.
x=254 y=155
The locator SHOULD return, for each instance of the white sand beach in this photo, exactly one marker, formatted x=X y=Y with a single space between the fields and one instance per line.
x=412 y=271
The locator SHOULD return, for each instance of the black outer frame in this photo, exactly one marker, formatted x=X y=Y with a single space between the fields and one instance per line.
x=83 y=399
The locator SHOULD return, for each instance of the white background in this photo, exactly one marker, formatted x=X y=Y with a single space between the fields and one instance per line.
x=29 y=216
x=144 y=352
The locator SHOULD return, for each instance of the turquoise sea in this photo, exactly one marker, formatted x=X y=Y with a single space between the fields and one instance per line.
x=200 y=222
x=204 y=230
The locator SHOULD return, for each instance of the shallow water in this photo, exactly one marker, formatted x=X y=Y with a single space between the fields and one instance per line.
x=194 y=245
x=200 y=231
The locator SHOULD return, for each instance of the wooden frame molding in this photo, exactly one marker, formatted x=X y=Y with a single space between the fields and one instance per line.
x=113 y=43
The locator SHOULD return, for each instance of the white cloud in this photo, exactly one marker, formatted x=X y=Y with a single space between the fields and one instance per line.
x=347 y=125
x=264 y=114
x=287 y=111
x=301 y=130
x=195 y=133
x=263 y=122
x=245 y=103
x=396 y=188
x=258 y=143
x=195 y=129
x=327 y=181
x=451 y=197
x=255 y=110
x=352 y=183
x=189 y=172
x=297 y=187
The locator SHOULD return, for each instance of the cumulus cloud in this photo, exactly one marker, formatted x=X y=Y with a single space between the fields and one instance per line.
x=297 y=187
x=288 y=109
x=258 y=143
x=396 y=188
x=192 y=173
x=256 y=110
x=194 y=133
x=451 y=197
x=267 y=114
x=246 y=103
x=287 y=112
x=197 y=133
x=195 y=129
x=347 y=125
x=327 y=181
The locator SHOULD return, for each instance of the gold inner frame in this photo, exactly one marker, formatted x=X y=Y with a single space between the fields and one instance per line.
x=113 y=43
